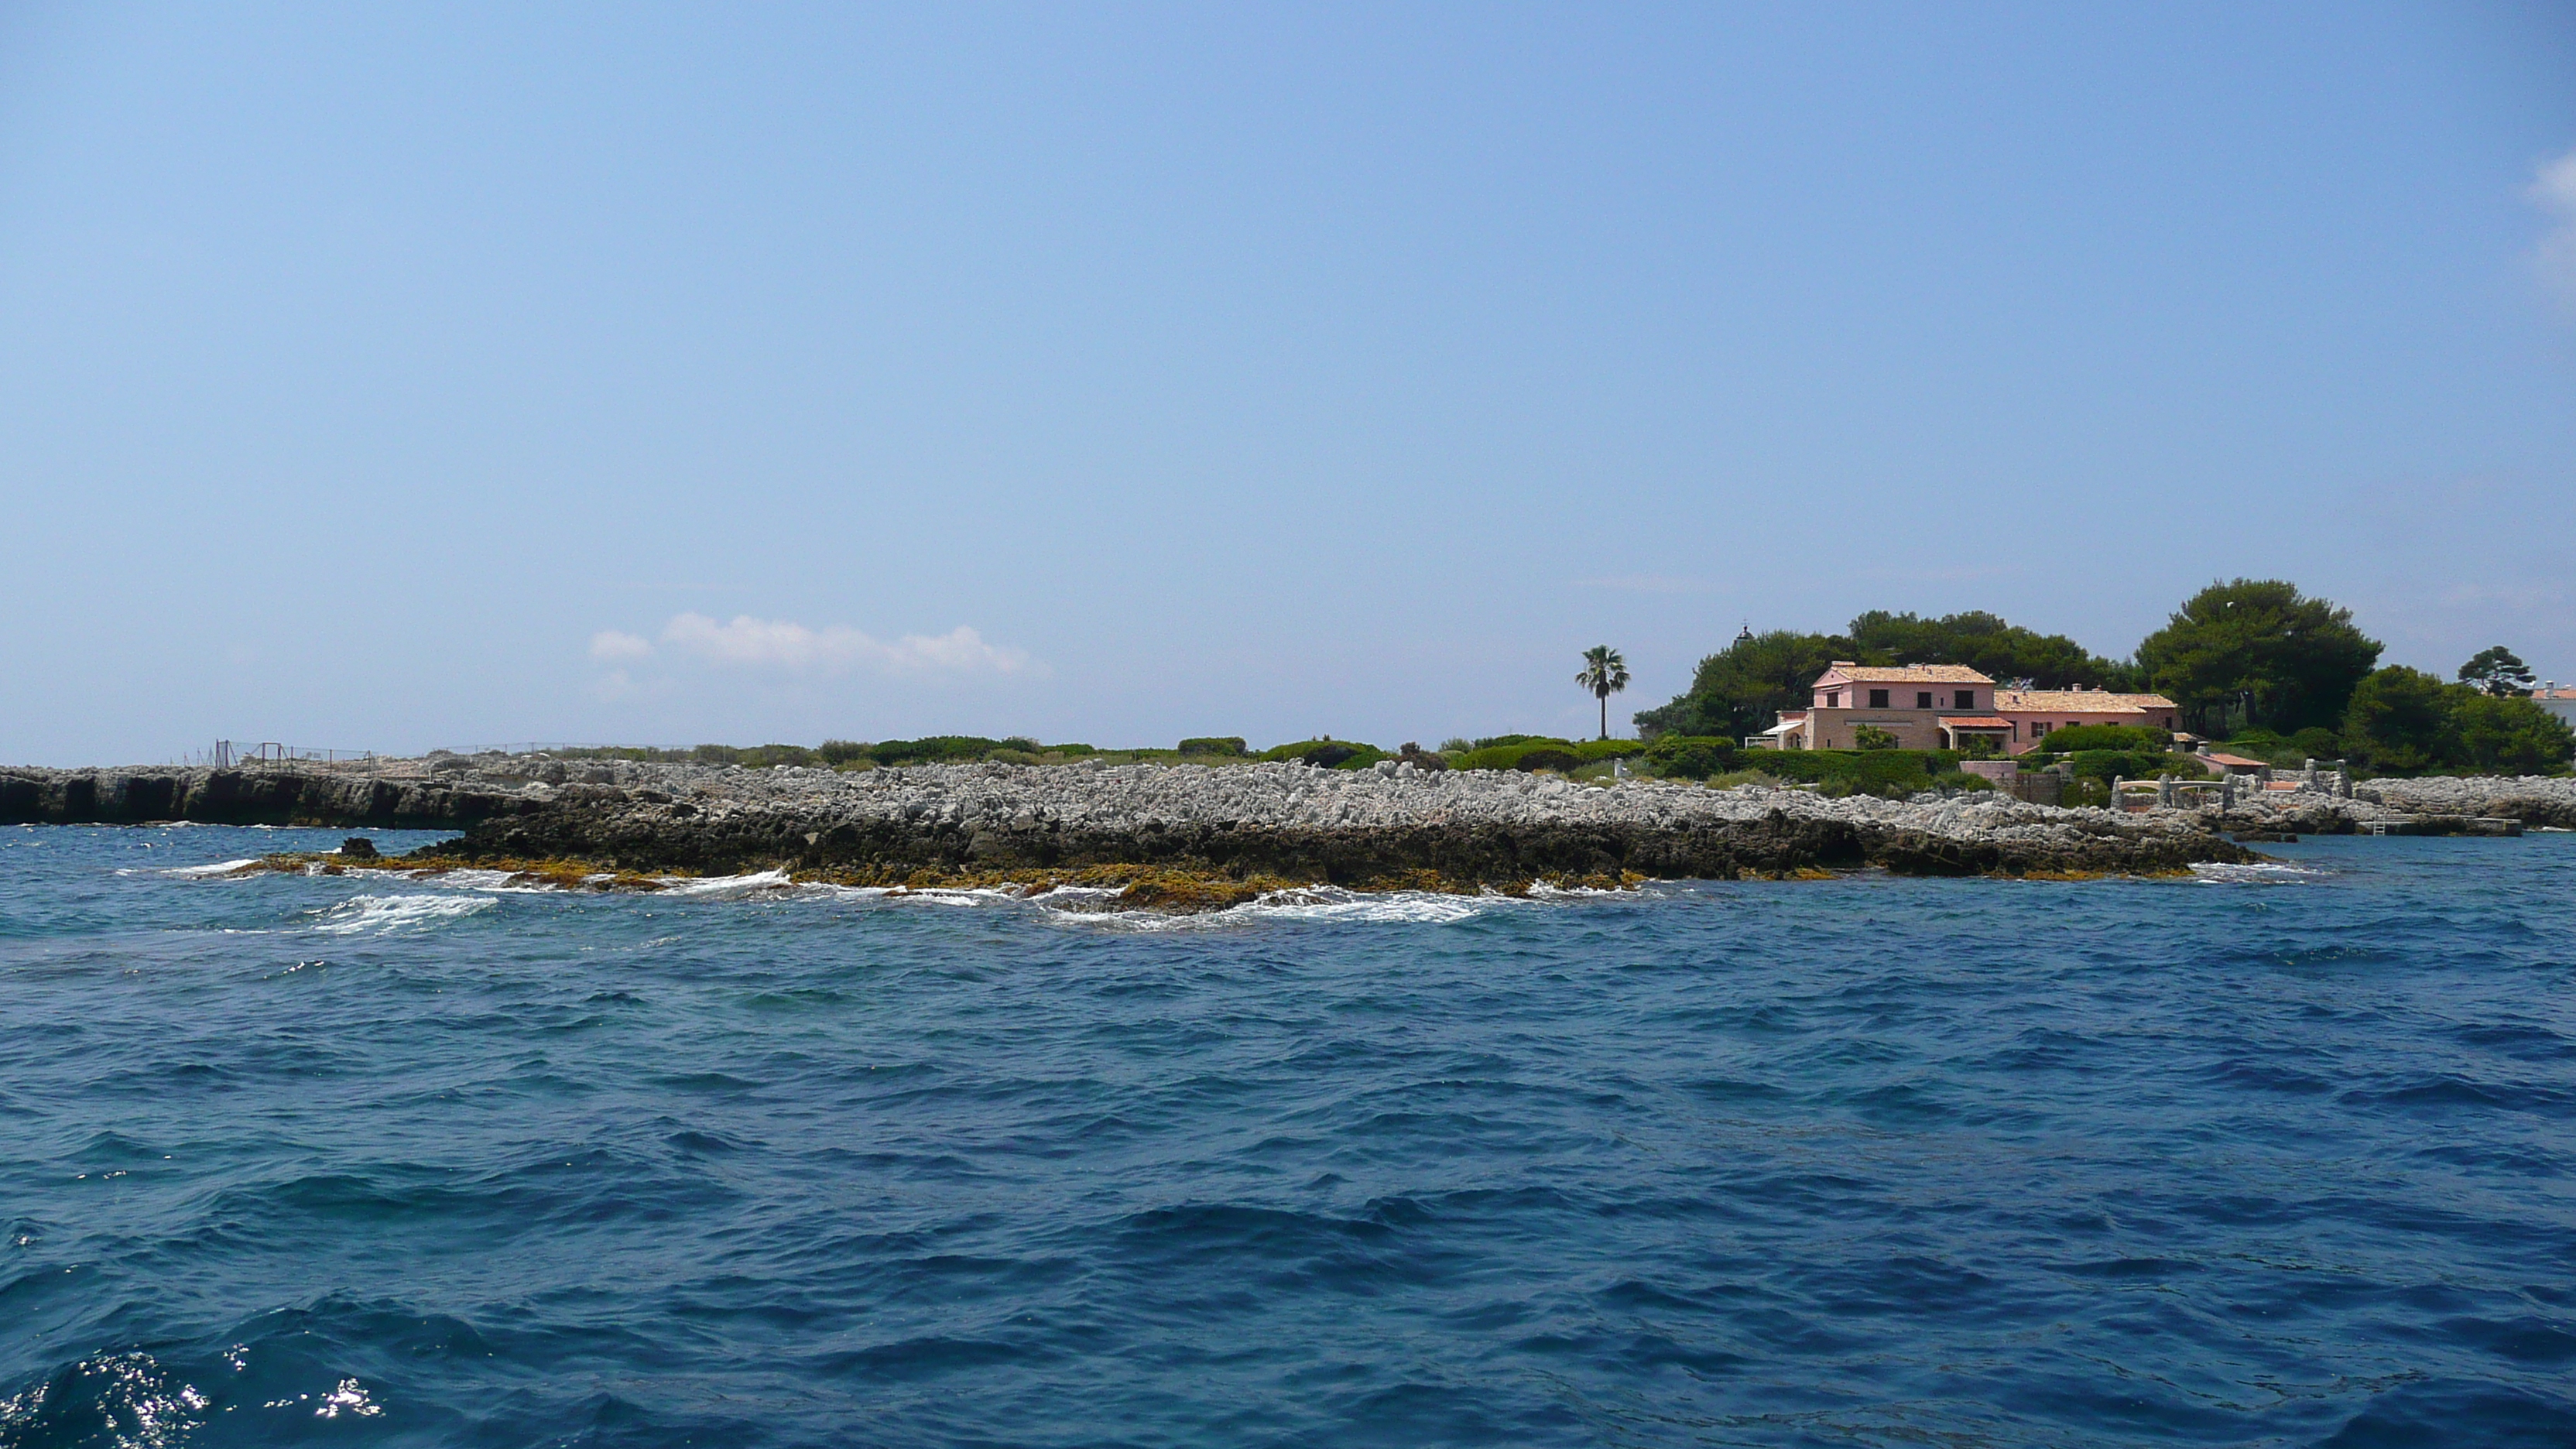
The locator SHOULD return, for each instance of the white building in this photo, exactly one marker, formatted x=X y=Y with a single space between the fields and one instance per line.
x=2560 y=702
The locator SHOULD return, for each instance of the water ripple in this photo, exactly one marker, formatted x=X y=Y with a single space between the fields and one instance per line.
x=2281 y=1156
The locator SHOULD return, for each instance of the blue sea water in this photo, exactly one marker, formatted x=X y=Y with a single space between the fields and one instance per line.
x=2282 y=1156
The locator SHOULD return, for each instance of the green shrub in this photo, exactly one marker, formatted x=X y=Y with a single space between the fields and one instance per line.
x=2510 y=733
x=1497 y=741
x=1508 y=756
x=1231 y=745
x=1561 y=761
x=1691 y=757
x=940 y=749
x=1594 y=751
x=1328 y=754
x=2106 y=737
x=1871 y=737
x=2313 y=743
x=1455 y=746
x=2127 y=764
x=1012 y=757
x=1957 y=780
x=1878 y=772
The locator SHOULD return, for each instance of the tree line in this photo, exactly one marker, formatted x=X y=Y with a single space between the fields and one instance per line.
x=2247 y=659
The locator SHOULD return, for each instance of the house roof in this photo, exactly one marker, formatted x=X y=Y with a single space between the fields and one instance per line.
x=2078 y=701
x=1905 y=674
x=1976 y=721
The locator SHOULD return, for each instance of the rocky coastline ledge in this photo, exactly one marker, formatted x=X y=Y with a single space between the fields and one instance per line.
x=1393 y=826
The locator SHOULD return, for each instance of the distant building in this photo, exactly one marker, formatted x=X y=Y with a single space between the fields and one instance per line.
x=2218 y=764
x=1947 y=706
x=1925 y=706
x=2035 y=712
x=2560 y=702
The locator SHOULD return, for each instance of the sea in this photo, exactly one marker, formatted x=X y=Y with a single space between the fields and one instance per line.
x=2280 y=1154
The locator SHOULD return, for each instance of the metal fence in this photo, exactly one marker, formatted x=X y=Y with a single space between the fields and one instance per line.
x=274 y=754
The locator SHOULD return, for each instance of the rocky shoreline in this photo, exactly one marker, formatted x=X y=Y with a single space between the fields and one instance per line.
x=1394 y=825
x=1391 y=826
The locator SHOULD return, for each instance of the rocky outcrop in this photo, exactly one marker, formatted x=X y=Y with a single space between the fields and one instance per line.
x=2530 y=799
x=1290 y=821
x=257 y=797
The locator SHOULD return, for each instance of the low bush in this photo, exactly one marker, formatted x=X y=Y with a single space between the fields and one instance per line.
x=1877 y=772
x=1594 y=751
x=2314 y=743
x=940 y=749
x=1012 y=757
x=1691 y=757
x=1228 y=745
x=1561 y=761
x=2105 y=737
x=1509 y=756
x=2126 y=764
x=1954 y=781
x=1871 y=737
x=1328 y=754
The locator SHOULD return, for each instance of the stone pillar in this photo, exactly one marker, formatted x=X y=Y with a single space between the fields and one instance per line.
x=2308 y=775
x=2342 y=782
x=2227 y=792
x=2165 y=795
x=2116 y=783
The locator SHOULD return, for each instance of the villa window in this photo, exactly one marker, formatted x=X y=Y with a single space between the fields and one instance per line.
x=1922 y=699
x=1833 y=699
x=2038 y=728
x=1878 y=699
x=1964 y=699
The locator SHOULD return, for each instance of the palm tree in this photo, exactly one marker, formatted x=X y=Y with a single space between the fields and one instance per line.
x=1605 y=674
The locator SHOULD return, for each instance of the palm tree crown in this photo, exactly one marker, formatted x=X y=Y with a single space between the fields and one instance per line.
x=1604 y=674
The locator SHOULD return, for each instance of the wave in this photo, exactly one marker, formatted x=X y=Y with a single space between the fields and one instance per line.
x=141 y=1402
x=221 y=867
x=388 y=915
x=2256 y=873
x=728 y=885
x=1305 y=903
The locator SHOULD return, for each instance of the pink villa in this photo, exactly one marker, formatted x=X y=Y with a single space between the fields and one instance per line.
x=1944 y=706
x=2034 y=712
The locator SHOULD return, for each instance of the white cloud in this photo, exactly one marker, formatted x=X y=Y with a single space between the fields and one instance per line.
x=784 y=644
x=610 y=644
x=2554 y=191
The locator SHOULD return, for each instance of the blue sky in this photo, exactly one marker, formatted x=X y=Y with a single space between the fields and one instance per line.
x=393 y=378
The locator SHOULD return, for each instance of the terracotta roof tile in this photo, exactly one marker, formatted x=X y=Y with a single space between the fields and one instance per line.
x=2077 y=701
x=1908 y=674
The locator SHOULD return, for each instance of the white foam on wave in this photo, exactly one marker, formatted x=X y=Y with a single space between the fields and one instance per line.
x=728 y=885
x=489 y=880
x=221 y=867
x=1306 y=903
x=387 y=915
x=2253 y=873
x=926 y=896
